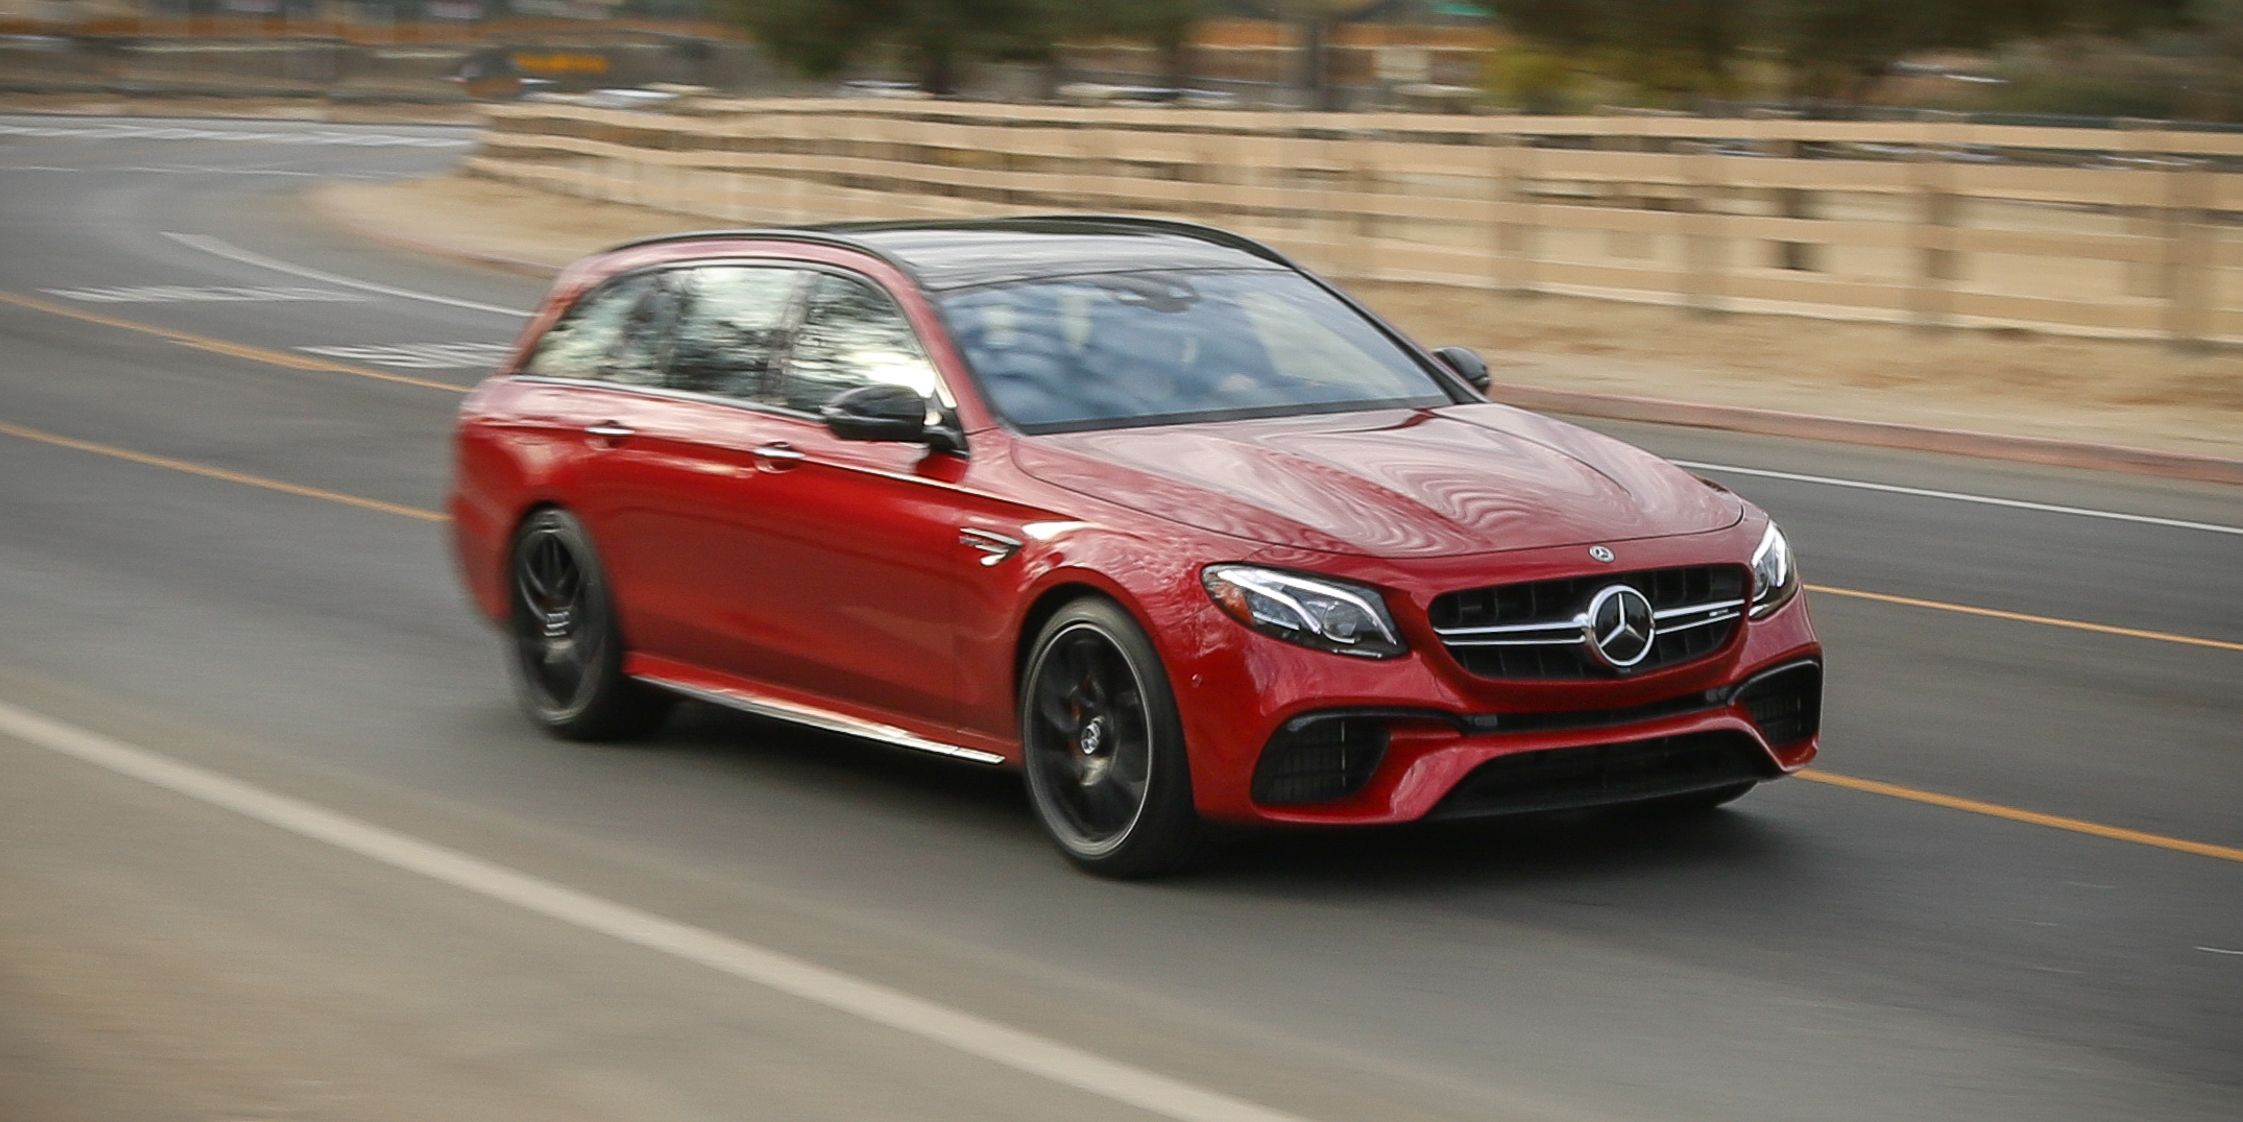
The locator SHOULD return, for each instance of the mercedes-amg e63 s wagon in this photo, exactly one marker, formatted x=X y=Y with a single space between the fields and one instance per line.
x=1178 y=529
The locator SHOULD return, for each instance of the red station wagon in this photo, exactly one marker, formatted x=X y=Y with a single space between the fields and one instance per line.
x=1141 y=508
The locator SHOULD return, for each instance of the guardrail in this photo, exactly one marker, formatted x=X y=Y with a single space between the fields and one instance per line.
x=2117 y=232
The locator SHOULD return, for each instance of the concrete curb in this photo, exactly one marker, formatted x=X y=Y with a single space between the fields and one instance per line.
x=1732 y=418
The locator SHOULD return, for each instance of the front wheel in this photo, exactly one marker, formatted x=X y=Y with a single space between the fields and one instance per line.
x=1103 y=747
x=567 y=651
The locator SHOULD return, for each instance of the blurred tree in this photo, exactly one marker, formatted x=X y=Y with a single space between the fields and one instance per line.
x=1165 y=24
x=940 y=37
x=1831 y=48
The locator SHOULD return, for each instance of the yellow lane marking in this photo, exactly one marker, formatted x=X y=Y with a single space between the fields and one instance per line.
x=1869 y=786
x=2021 y=617
x=241 y=477
x=223 y=347
x=1997 y=810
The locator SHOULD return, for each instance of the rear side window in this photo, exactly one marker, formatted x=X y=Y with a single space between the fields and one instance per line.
x=579 y=343
x=852 y=335
x=731 y=329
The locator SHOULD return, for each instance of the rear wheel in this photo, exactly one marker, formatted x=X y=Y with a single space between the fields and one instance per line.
x=1103 y=746
x=567 y=651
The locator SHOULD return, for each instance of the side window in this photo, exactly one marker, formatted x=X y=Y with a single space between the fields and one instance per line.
x=578 y=344
x=851 y=335
x=731 y=329
x=637 y=357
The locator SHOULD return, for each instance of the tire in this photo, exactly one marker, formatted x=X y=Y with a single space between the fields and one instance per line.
x=564 y=648
x=1693 y=803
x=1103 y=747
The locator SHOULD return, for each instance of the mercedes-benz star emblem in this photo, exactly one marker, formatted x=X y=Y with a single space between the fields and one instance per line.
x=1601 y=553
x=1619 y=626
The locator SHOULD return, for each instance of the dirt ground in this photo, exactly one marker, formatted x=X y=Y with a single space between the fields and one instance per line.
x=2138 y=394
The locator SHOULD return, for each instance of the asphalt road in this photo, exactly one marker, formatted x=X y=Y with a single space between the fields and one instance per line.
x=274 y=844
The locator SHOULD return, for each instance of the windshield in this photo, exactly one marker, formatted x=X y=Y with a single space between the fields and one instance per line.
x=1121 y=349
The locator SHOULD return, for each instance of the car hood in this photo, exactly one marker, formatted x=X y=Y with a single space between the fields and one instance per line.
x=1388 y=483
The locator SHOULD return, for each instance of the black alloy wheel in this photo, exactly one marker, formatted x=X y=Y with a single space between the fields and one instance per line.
x=568 y=653
x=1103 y=747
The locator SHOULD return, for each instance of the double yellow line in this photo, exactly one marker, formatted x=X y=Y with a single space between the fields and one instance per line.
x=1869 y=786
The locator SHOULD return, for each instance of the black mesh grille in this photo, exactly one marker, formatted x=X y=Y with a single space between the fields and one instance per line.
x=1786 y=705
x=1556 y=601
x=1327 y=759
x=1599 y=774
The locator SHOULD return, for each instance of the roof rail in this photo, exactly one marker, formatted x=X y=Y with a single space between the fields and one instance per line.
x=808 y=235
x=837 y=234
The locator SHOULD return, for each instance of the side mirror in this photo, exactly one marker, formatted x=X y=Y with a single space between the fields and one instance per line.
x=880 y=411
x=1472 y=367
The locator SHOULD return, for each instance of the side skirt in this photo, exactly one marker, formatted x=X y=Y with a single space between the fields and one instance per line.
x=810 y=716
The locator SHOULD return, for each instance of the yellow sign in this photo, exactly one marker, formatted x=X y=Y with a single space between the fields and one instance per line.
x=560 y=62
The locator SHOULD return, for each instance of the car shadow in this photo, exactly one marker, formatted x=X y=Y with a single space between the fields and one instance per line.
x=1579 y=847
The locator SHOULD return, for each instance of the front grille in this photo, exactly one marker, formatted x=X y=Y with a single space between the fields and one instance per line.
x=1324 y=759
x=1787 y=704
x=1535 y=629
x=1600 y=774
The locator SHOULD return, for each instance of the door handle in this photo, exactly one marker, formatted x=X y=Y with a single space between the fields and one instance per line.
x=777 y=455
x=611 y=430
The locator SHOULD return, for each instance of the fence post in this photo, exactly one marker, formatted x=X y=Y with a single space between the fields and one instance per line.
x=1363 y=184
x=2144 y=220
x=841 y=151
x=1622 y=194
x=2189 y=245
x=1514 y=219
x=681 y=184
x=1698 y=221
x=734 y=147
x=1930 y=297
x=1207 y=181
x=1788 y=202
x=797 y=165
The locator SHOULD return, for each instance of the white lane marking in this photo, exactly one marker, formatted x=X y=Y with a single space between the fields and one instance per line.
x=421 y=356
x=218 y=248
x=976 y=1036
x=148 y=132
x=1962 y=497
x=35 y=167
x=180 y=293
x=2219 y=950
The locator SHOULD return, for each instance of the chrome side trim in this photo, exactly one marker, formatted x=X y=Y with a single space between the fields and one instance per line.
x=995 y=546
x=823 y=719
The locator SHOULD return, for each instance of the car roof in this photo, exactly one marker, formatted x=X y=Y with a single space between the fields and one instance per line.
x=965 y=253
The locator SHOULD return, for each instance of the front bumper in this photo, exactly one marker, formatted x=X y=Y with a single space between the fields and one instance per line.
x=1423 y=738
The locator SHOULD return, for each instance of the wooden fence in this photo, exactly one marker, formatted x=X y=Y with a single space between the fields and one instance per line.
x=2125 y=232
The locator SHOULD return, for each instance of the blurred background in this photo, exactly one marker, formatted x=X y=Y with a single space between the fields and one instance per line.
x=252 y=253
x=2087 y=59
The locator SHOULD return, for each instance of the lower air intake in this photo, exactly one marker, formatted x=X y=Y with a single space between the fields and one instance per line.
x=1601 y=774
x=1786 y=705
x=1322 y=760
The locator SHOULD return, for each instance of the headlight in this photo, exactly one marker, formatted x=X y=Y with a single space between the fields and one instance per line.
x=1775 y=578
x=1328 y=615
